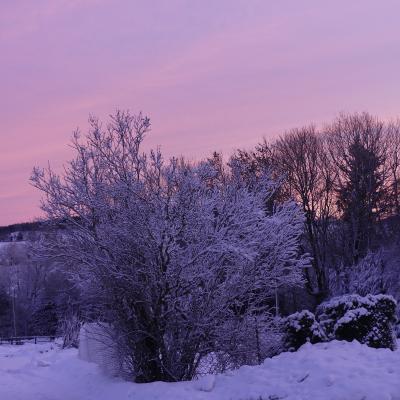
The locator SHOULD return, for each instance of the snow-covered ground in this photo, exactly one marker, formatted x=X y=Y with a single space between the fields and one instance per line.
x=336 y=370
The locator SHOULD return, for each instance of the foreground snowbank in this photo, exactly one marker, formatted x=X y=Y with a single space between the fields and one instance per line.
x=335 y=370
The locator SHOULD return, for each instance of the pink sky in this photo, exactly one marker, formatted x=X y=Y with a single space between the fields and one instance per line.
x=211 y=74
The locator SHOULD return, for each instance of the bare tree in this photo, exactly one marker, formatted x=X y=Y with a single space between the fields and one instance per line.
x=358 y=150
x=309 y=179
x=26 y=283
x=393 y=160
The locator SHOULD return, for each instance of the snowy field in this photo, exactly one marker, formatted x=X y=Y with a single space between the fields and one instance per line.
x=336 y=370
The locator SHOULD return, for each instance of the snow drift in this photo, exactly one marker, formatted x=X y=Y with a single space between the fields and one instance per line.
x=324 y=371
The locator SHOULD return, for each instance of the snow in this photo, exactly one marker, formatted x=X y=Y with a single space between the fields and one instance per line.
x=352 y=300
x=351 y=315
x=335 y=370
x=21 y=243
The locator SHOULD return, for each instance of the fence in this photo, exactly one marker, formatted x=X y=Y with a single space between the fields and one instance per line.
x=24 y=339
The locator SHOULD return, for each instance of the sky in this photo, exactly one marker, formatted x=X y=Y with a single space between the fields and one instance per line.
x=211 y=74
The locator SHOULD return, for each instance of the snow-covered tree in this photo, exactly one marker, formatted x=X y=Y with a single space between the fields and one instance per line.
x=176 y=257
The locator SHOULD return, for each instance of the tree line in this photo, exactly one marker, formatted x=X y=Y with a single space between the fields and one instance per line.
x=190 y=265
x=345 y=176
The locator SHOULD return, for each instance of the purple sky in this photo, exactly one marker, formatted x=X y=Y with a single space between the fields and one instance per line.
x=211 y=74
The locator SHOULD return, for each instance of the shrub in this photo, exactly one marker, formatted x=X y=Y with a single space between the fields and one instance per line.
x=368 y=319
x=248 y=341
x=302 y=327
x=170 y=253
x=397 y=330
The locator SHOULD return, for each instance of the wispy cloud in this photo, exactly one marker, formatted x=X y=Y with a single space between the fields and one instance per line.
x=211 y=74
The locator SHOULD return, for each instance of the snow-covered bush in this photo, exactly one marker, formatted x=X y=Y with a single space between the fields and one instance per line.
x=300 y=328
x=179 y=258
x=247 y=341
x=371 y=275
x=70 y=328
x=253 y=340
x=397 y=330
x=272 y=338
x=368 y=319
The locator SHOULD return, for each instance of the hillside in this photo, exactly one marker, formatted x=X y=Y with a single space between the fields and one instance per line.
x=22 y=231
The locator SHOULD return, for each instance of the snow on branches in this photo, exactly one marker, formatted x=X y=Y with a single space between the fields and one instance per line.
x=172 y=254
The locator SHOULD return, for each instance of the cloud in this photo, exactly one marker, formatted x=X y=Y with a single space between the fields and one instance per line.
x=212 y=75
